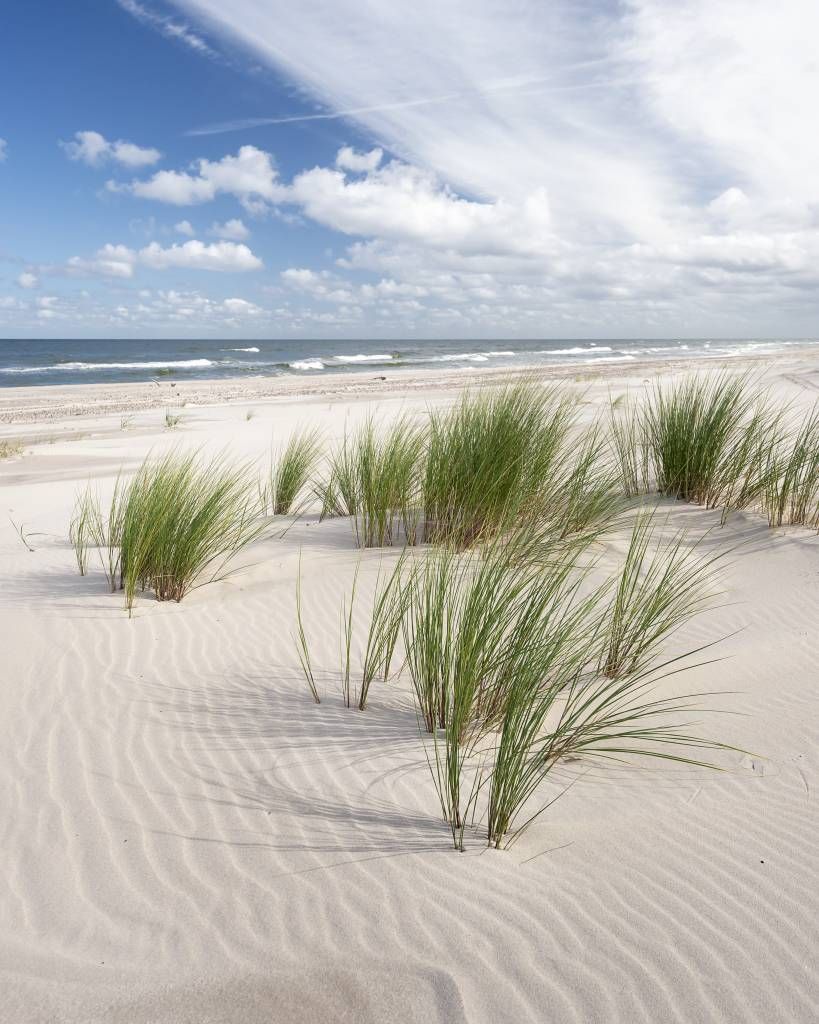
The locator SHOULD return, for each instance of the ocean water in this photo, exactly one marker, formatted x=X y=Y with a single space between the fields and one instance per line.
x=26 y=362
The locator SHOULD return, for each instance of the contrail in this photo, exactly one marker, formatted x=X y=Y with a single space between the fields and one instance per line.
x=258 y=122
x=334 y=115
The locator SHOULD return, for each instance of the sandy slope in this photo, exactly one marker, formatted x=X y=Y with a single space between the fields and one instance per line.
x=186 y=837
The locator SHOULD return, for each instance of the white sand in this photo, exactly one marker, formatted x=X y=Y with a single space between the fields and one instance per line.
x=186 y=837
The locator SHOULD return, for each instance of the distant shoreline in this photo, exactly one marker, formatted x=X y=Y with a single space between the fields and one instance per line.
x=50 y=402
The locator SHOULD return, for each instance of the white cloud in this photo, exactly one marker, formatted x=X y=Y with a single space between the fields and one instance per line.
x=250 y=176
x=168 y=27
x=110 y=261
x=184 y=227
x=92 y=148
x=402 y=202
x=27 y=280
x=349 y=159
x=641 y=167
x=4 y=147
x=120 y=261
x=233 y=230
x=241 y=307
x=195 y=255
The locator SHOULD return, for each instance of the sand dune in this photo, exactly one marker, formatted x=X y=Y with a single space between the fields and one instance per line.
x=188 y=837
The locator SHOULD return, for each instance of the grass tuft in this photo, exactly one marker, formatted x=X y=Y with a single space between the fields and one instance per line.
x=292 y=469
x=489 y=460
x=172 y=527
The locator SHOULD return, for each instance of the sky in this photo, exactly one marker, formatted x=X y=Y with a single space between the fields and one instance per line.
x=445 y=168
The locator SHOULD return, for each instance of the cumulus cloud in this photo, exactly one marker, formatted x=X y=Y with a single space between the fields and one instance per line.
x=405 y=203
x=234 y=230
x=27 y=280
x=184 y=227
x=349 y=159
x=250 y=176
x=93 y=149
x=121 y=261
x=196 y=255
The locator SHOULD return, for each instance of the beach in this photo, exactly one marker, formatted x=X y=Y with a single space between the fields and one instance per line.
x=188 y=837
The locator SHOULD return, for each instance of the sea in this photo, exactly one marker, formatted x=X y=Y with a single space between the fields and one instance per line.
x=27 y=362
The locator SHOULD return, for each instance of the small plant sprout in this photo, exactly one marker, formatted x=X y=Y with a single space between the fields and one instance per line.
x=23 y=534
x=172 y=420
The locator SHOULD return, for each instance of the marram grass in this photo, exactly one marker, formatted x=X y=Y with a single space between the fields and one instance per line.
x=173 y=526
x=374 y=479
x=489 y=460
x=291 y=469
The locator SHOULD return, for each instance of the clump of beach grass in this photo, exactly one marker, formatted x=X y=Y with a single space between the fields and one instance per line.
x=629 y=447
x=175 y=525
x=374 y=479
x=694 y=429
x=83 y=530
x=791 y=491
x=584 y=496
x=291 y=469
x=172 y=420
x=662 y=584
x=489 y=460
x=471 y=622
x=521 y=658
x=10 y=449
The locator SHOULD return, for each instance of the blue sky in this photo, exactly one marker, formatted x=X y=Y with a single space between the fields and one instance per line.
x=463 y=169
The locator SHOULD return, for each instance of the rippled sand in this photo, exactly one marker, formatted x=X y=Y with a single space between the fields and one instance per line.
x=186 y=837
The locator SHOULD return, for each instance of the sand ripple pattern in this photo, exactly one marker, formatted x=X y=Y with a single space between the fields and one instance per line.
x=186 y=837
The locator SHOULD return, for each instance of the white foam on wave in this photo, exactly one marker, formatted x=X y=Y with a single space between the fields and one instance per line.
x=251 y=349
x=306 y=364
x=576 y=350
x=472 y=357
x=362 y=358
x=181 y=364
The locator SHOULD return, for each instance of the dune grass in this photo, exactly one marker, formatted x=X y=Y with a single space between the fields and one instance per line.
x=584 y=495
x=662 y=584
x=489 y=460
x=373 y=478
x=471 y=623
x=301 y=643
x=791 y=486
x=82 y=530
x=629 y=449
x=291 y=469
x=9 y=449
x=388 y=609
x=694 y=430
x=172 y=527
x=522 y=656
